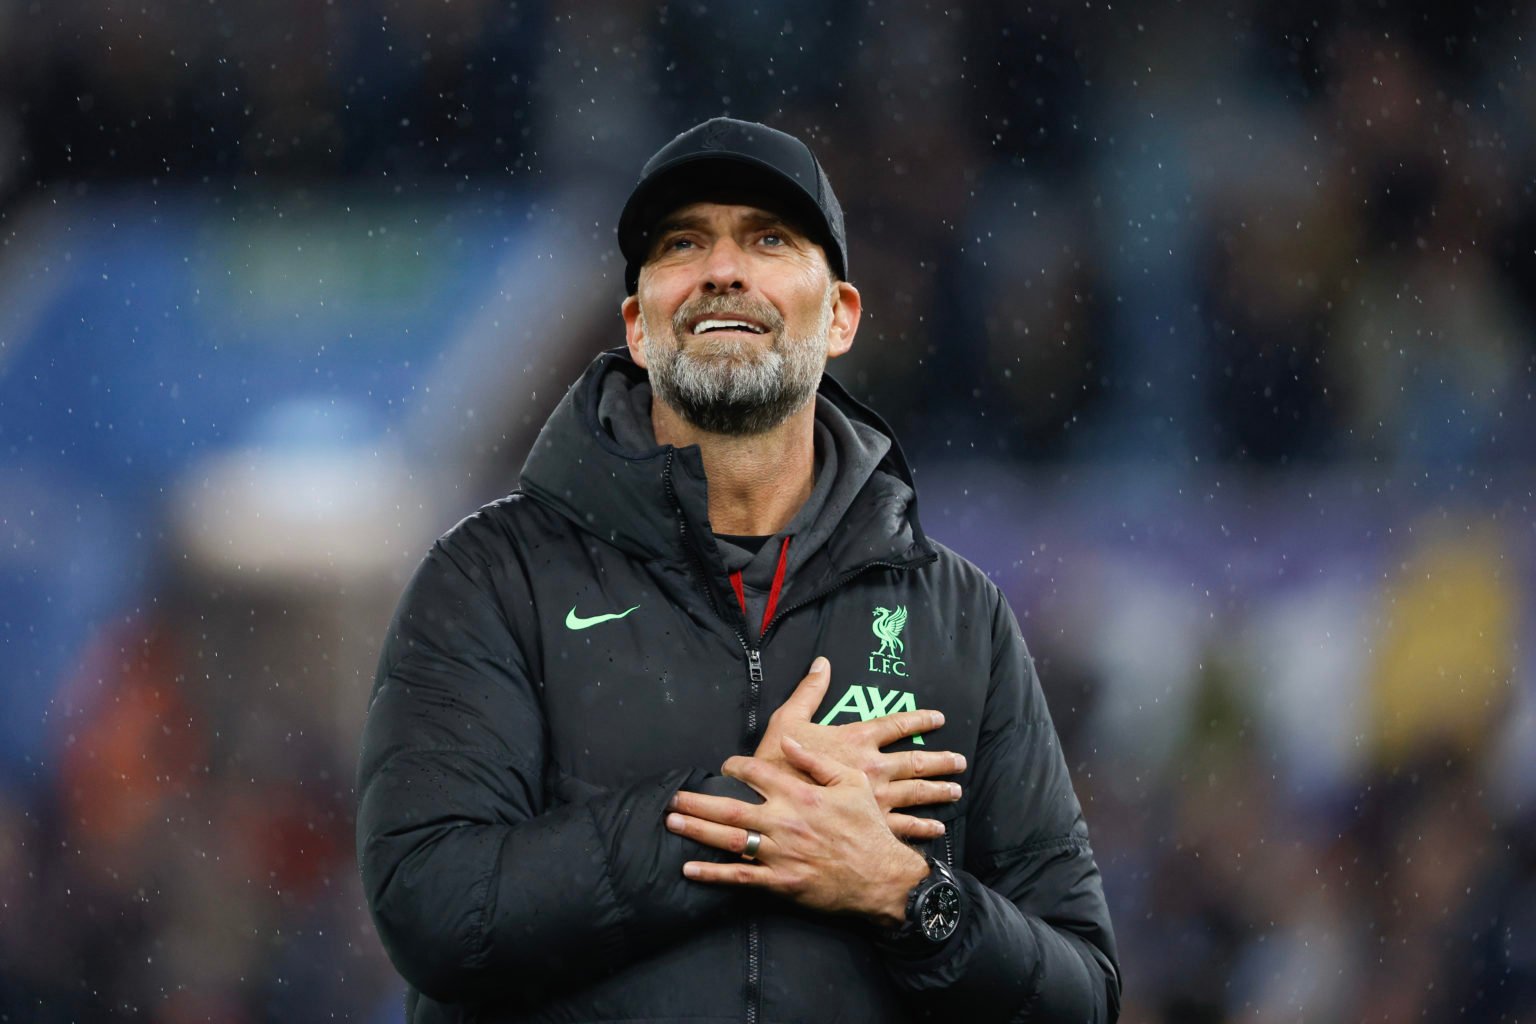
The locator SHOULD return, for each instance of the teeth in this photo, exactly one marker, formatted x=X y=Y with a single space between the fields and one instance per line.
x=728 y=325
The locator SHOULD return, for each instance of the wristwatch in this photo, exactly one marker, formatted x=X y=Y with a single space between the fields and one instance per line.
x=934 y=907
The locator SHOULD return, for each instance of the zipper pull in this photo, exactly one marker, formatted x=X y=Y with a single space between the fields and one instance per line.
x=754 y=665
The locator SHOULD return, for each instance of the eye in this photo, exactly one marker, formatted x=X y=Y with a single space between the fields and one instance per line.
x=772 y=238
x=677 y=243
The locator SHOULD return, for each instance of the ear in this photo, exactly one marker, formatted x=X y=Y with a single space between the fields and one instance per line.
x=633 y=332
x=846 y=309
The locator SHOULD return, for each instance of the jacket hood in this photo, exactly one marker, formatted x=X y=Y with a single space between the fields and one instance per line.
x=654 y=503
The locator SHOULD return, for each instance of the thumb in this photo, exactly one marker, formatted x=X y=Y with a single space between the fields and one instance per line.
x=802 y=704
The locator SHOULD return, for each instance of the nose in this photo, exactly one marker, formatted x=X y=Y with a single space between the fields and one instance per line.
x=725 y=269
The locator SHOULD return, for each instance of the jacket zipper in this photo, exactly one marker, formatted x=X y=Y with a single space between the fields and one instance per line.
x=755 y=678
x=754 y=970
x=949 y=849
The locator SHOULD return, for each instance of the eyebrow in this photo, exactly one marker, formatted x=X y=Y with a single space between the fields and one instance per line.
x=672 y=224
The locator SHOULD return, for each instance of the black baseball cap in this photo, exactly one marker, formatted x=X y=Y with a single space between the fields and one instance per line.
x=727 y=158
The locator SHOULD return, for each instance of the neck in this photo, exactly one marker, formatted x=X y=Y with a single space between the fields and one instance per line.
x=756 y=483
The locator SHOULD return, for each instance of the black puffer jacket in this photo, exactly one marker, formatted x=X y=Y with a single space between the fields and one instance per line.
x=516 y=770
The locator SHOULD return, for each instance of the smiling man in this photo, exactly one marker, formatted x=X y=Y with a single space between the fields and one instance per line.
x=574 y=804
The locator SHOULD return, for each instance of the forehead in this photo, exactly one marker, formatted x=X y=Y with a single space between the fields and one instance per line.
x=708 y=213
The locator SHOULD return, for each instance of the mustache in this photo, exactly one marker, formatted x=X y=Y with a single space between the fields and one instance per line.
x=723 y=306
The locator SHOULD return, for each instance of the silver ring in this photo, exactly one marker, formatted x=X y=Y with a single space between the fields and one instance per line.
x=754 y=840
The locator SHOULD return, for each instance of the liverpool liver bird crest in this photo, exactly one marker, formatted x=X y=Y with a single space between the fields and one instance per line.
x=887 y=626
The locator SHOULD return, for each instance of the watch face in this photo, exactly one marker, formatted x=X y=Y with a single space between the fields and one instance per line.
x=939 y=914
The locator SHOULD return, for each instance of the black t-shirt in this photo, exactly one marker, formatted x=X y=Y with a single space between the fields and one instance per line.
x=752 y=544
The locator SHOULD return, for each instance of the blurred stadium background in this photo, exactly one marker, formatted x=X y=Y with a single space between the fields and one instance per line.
x=1210 y=329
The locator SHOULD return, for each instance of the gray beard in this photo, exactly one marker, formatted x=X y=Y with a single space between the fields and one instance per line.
x=731 y=387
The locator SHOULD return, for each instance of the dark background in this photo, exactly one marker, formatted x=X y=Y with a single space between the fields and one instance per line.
x=1208 y=328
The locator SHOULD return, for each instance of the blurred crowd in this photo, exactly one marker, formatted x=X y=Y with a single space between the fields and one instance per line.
x=1210 y=329
x=1255 y=230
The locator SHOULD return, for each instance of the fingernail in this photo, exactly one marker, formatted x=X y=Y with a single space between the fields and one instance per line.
x=691 y=870
x=937 y=718
x=675 y=822
x=938 y=828
x=954 y=791
x=820 y=664
x=959 y=762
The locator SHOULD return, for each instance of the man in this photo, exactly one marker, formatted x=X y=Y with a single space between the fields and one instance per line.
x=574 y=805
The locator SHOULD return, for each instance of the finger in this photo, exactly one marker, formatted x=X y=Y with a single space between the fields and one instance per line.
x=890 y=728
x=918 y=793
x=823 y=770
x=802 y=704
x=905 y=826
x=763 y=776
x=722 y=837
x=920 y=764
x=720 y=809
x=745 y=873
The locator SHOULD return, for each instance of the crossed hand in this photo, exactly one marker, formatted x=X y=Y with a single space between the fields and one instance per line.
x=831 y=832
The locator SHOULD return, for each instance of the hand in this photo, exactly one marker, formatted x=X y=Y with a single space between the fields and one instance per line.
x=825 y=842
x=898 y=780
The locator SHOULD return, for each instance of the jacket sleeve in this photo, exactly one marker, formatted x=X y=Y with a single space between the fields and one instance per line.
x=480 y=883
x=1036 y=943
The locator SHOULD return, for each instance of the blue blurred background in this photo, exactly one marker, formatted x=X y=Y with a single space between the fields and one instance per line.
x=1209 y=328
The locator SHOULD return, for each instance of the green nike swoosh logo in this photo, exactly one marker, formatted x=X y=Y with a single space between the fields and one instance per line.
x=574 y=621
